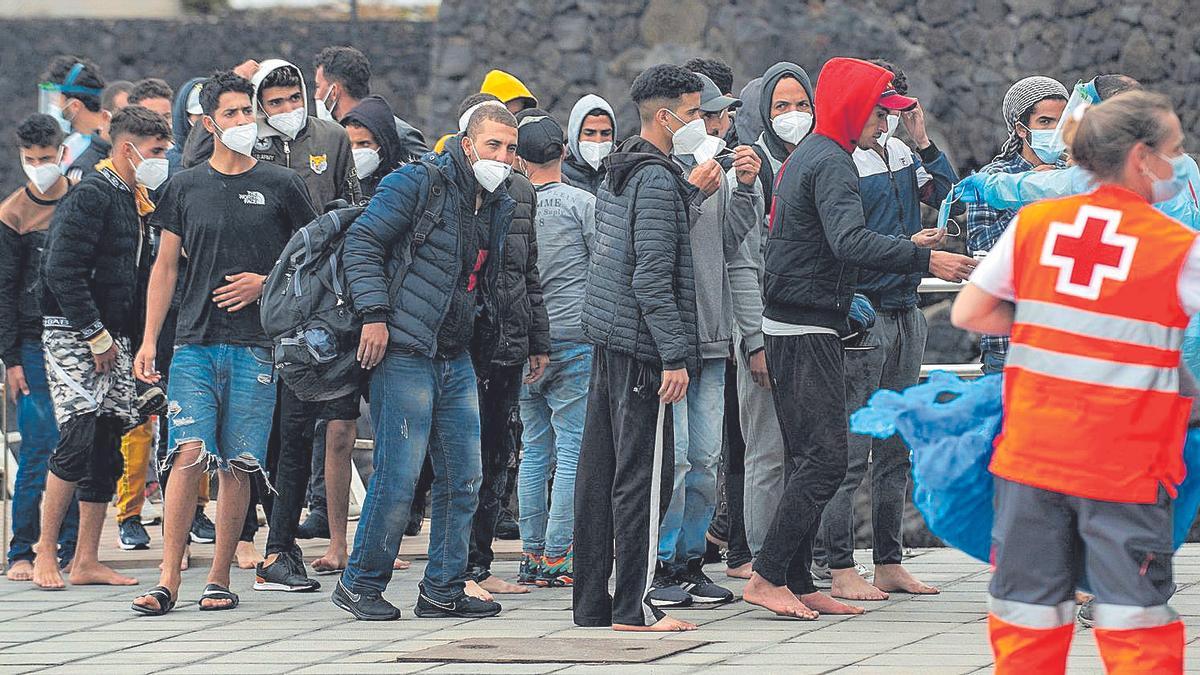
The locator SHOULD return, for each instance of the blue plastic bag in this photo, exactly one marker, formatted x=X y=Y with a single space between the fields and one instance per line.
x=950 y=426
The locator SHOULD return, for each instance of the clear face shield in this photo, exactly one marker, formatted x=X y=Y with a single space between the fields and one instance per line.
x=1083 y=95
x=52 y=96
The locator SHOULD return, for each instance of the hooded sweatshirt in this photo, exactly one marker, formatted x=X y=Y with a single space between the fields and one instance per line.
x=180 y=125
x=818 y=236
x=746 y=268
x=320 y=153
x=374 y=113
x=506 y=87
x=575 y=170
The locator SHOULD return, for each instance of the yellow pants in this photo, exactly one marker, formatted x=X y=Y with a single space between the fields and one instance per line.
x=137 y=446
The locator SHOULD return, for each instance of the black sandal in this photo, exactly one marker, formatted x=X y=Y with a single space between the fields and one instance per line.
x=165 y=602
x=217 y=592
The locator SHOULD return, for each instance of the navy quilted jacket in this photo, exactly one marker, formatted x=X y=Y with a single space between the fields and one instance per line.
x=376 y=242
x=641 y=290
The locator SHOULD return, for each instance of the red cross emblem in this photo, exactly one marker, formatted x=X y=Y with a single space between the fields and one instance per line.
x=1088 y=251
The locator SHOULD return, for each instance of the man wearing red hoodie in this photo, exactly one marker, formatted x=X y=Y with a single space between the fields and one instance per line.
x=818 y=239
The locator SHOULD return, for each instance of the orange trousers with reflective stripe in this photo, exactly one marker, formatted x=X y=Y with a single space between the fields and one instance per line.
x=137 y=446
x=1019 y=650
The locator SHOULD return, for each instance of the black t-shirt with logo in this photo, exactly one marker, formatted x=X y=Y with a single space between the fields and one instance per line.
x=229 y=224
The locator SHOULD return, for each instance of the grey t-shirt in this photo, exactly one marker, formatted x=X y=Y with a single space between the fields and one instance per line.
x=566 y=221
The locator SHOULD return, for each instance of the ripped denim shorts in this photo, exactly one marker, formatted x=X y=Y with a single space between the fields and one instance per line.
x=223 y=396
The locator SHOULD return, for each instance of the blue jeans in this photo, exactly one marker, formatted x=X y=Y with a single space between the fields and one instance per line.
x=418 y=403
x=39 y=436
x=698 y=429
x=223 y=396
x=553 y=410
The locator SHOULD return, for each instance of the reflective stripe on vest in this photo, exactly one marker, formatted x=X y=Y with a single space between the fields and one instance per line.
x=1128 y=617
x=1097 y=325
x=1029 y=615
x=1099 y=372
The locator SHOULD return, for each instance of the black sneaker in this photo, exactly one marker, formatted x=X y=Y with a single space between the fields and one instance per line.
x=702 y=589
x=665 y=591
x=203 y=530
x=132 y=535
x=462 y=607
x=315 y=526
x=283 y=575
x=365 y=605
x=415 y=521
x=506 y=526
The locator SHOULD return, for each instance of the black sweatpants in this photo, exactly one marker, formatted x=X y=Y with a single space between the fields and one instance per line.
x=735 y=474
x=296 y=423
x=622 y=489
x=808 y=386
x=499 y=388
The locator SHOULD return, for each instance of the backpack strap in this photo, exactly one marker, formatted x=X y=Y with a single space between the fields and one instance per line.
x=430 y=208
x=766 y=178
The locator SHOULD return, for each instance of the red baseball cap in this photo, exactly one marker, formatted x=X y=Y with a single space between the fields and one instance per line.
x=893 y=101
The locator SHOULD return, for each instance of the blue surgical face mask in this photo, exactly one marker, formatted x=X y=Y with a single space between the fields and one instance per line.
x=944 y=222
x=1045 y=144
x=1165 y=189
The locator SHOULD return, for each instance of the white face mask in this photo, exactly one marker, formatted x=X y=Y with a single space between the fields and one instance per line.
x=792 y=126
x=366 y=160
x=151 y=173
x=688 y=138
x=289 y=123
x=324 y=110
x=709 y=149
x=893 y=123
x=239 y=139
x=44 y=176
x=592 y=152
x=489 y=172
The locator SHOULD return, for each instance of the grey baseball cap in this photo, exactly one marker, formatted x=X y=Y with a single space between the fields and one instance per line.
x=711 y=98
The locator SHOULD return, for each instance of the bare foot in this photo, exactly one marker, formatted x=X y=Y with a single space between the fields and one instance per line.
x=827 y=605
x=150 y=602
x=1081 y=597
x=401 y=564
x=331 y=562
x=97 y=574
x=21 y=570
x=848 y=585
x=495 y=584
x=475 y=591
x=777 y=599
x=740 y=572
x=46 y=575
x=663 y=625
x=247 y=556
x=896 y=579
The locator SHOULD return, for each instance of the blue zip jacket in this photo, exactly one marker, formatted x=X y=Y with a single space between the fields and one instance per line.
x=378 y=238
x=892 y=194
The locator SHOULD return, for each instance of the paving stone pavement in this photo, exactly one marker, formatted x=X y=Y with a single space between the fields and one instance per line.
x=92 y=630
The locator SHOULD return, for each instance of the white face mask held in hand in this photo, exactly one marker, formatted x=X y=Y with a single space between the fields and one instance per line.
x=489 y=172
x=239 y=139
x=366 y=160
x=151 y=173
x=592 y=152
x=44 y=176
x=893 y=123
x=792 y=126
x=289 y=123
x=688 y=138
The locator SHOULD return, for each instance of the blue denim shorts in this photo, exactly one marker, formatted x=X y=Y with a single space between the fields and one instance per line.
x=224 y=397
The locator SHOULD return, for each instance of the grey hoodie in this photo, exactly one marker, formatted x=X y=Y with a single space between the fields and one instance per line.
x=576 y=171
x=719 y=226
x=746 y=266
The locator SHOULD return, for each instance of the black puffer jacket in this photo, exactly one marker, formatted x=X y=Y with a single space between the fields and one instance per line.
x=641 y=290
x=96 y=260
x=521 y=326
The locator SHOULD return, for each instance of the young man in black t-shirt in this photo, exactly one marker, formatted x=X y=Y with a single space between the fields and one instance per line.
x=232 y=215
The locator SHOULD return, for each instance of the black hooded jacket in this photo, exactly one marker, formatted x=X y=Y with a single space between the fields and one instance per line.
x=375 y=115
x=641 y=289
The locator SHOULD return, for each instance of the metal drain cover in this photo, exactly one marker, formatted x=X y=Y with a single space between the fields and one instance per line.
x=552 y=650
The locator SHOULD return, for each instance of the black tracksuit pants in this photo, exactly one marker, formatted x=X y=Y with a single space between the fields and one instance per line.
x=622 y=489
x=808 y=385
x=499 y=388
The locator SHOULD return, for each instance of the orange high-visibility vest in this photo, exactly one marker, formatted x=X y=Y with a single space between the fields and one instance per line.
x=1091 y=385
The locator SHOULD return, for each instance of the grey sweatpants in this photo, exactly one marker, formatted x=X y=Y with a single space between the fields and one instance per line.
x=895 y=363
x=764 y=454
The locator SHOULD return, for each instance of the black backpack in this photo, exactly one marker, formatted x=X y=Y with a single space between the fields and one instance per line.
x=306 y=308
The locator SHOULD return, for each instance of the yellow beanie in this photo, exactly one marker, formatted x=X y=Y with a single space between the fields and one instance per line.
x=506 y=88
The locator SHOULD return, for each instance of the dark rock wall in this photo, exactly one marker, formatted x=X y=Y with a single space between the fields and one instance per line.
x=181 y=49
